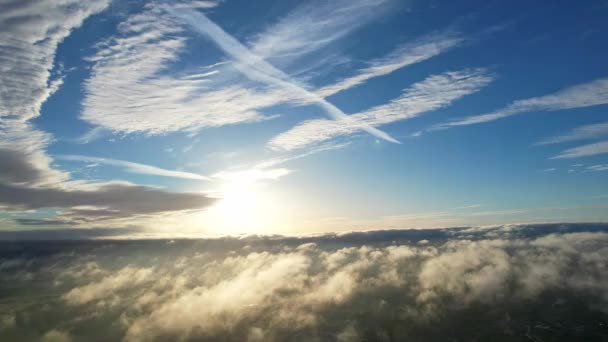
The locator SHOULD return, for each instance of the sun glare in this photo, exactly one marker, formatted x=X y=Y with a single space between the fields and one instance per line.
x=245 y=207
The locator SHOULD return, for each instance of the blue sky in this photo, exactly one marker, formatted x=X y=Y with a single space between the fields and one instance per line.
x=225 y=117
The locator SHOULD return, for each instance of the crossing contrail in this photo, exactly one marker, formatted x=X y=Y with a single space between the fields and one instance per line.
x=257 y=69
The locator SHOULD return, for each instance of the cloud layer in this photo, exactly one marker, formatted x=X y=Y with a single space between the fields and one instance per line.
x=544 y=281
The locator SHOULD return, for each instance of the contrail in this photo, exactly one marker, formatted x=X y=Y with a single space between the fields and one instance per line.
x=257 y=69
x=135 y=167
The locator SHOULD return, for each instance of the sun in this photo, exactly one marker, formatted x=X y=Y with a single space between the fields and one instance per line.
x=245 y=207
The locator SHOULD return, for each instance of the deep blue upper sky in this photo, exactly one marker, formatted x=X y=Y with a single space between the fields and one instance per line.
x=300 y=116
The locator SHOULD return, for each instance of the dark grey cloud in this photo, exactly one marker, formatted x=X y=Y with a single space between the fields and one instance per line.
x=63 y=234
x=114 y=199
x=27 y=181
x=15 y=168
x=39 y=222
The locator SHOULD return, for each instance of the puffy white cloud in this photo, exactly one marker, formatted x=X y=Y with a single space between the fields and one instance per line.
x=354 y=284
x=7 y=320
x=294 y=287
x=109 y=285
x=470 y=271
x=56 y=336
x=204 y=308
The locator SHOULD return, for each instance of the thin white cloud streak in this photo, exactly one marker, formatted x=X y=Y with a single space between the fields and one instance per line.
x=584 y=151
x=318 y=24
x=453 y=217
x=599 y=167
x=579 y=133
x=255 y=68
x=579 y=96
x=433 y=93
x=407 y=54
x=315 y=25
x=286 y=158
x=90 y=136
x=467 y=207
x=135 y=167
x=266 y=170
x=252 y=176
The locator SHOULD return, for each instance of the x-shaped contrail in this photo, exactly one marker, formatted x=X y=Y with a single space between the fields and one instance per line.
x=257 y=69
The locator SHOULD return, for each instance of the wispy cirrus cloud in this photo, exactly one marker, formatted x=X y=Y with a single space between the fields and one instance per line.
x=580 y=133
x=90 y=136
x=584 y=151
x=407 y=54
x=551 y=169
x=128 y=90
x=251 y=176
x=580 y=96
x=319 y=23
x=599 y=167
x=433 y=93
x=315 y=25
x=267 y=169
x=137 y=168
x=257 y=69
x=30 y=32
x=289 y=157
